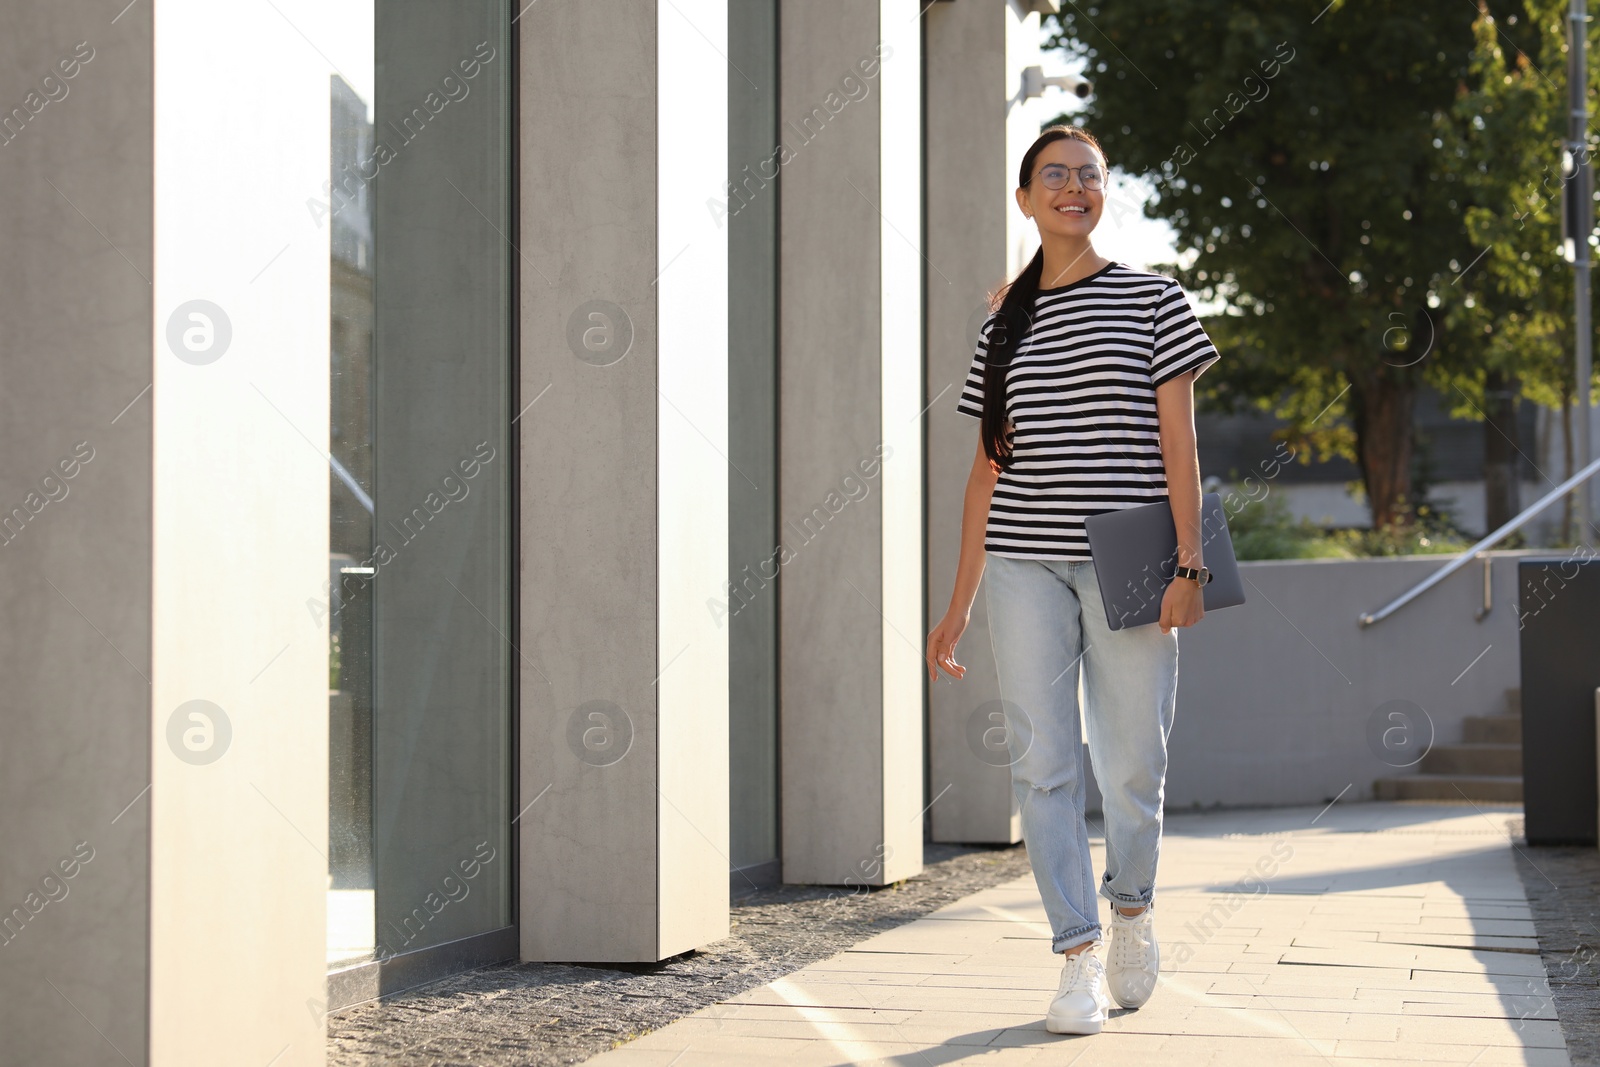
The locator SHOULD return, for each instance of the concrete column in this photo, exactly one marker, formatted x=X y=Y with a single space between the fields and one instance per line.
x=75 y=496
x=624 y=480
x=850 y=507
x=978 y=129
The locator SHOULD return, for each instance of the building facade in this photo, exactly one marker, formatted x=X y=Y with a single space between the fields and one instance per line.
x=483 y=473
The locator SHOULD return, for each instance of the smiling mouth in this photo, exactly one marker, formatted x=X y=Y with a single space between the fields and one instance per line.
x=1072 y=209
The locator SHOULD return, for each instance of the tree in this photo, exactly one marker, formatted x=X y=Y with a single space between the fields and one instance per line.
x=1512 y=124
x=1300 y=153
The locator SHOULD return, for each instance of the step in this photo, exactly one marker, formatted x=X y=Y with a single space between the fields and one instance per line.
x=1474 y=760
x=1498 y=789
x=1492 y=729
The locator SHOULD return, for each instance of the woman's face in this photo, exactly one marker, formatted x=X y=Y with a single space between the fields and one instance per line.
x=1074 y=209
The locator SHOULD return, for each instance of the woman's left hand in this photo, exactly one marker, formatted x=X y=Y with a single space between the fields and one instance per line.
x=1181 y=605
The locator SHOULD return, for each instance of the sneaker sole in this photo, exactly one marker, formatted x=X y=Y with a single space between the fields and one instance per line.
x=1077 y=1025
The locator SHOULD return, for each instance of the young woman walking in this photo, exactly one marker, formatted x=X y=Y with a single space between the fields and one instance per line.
x=1083 y=385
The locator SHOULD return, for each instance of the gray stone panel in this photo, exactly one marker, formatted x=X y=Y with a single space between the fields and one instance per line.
x=842 y=785
x=969 y=181
x=624 y=468
x=75 y=573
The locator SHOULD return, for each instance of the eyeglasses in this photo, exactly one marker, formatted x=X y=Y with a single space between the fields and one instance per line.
x=1092 y=175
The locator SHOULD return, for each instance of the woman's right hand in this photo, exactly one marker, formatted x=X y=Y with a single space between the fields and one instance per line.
x=942 y=646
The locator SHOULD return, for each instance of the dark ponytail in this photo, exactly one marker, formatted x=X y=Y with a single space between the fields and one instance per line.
x=1007 y=326
x=1012 y=312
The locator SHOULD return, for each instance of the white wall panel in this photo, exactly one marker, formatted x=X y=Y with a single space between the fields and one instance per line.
x=900 y=317
x=693 y=471
x=239 y=817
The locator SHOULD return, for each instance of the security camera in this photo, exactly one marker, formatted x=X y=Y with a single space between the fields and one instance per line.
x=1034 y=83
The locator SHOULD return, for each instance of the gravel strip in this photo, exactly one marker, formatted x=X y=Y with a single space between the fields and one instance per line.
x=1563 y=888
x=538 y=1014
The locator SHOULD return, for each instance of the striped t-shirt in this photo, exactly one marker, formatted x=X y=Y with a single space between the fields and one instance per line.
x=1080 y=394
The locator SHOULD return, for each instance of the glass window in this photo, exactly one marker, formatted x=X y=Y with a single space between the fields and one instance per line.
x=420 y=524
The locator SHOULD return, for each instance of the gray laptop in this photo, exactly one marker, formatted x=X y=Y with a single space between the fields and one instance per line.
x=1135 y=550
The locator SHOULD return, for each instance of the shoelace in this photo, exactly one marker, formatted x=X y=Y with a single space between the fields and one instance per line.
x=1075 y=975
x=1132 y=947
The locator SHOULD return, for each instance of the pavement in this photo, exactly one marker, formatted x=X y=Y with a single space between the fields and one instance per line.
x=553 y=1014
x=1369 y=933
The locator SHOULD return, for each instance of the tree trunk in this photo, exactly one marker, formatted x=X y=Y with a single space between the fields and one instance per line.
x=1383 y=400
x=1500 y=499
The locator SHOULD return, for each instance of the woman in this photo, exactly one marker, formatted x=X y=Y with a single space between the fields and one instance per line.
x=1086 y=407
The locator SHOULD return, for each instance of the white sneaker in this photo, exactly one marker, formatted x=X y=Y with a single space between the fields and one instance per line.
x=1134 y=959
x=1080 y=1005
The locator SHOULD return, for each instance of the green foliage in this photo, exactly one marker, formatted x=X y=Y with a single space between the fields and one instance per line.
x=1396 y=541
x=1264 y=529
x=1508 y=133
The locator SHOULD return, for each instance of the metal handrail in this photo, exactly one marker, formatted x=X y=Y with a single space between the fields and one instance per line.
x=1460 y=561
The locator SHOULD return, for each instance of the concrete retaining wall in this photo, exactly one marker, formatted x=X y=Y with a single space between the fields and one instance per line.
x=1275 y=696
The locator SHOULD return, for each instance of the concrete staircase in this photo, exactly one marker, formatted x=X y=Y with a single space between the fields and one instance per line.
x=1486 y=765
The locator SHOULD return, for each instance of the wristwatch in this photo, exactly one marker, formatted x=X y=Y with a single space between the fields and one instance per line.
x=1199 y=575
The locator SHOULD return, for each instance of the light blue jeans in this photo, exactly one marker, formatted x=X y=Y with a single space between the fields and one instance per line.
x=1047 y=621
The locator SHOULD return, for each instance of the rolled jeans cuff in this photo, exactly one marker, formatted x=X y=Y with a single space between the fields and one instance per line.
x=1125 y=899
x=1075 y=937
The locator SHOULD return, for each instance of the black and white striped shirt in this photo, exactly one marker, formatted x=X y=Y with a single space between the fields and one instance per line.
x=1080 y=394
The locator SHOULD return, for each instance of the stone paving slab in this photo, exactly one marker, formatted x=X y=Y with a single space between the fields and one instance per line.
x=1359 y=933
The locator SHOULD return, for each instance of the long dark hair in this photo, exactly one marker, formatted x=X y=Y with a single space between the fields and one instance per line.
x=1011 y=314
